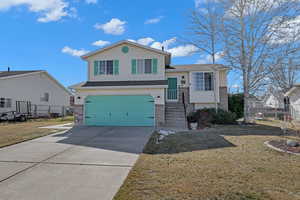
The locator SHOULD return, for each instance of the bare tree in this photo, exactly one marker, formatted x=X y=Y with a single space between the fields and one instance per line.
x=204 y=29
x=252 y=39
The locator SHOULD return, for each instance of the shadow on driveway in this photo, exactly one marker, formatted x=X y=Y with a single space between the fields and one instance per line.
x=122 y=139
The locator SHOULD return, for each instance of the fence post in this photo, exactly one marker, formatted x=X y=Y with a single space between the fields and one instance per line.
x=49 y=111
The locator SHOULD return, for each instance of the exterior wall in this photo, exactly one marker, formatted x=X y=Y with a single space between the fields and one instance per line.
x=295 y=104
x=125 y=64
x=223 y=78
x=78 y=114
x=32 y=88
x=204 y=105
x=159 y=115
x=157 y=93
x=181 y=76
x=223 y=98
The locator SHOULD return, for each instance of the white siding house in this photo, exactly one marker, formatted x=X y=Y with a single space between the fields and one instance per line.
x=33 y=90
x=129 y=84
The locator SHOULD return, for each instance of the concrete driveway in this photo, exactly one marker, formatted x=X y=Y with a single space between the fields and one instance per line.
x=82 y=163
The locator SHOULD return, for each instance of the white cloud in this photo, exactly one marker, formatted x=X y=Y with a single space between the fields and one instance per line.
x=285 y=32
x=50 y=10
x=145 y=41
x=165 y=44
x=91 y=1
x=100 y=43
x=178 y=51
x=184 y=50
x=208 y=59
x=113 y=27
x=154 y=20
x=74 y=52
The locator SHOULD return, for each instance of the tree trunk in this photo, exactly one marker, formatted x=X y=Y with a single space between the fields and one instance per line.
x=246 y=98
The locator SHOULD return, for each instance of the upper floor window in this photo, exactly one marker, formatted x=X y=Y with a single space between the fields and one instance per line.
x=144 y=66
x=5 y=103
x=106 y=67
x=203 y=81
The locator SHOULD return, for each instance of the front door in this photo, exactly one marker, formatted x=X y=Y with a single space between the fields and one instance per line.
x=172 y=92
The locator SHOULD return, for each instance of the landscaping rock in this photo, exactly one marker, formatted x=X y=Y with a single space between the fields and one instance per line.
x=292 y=143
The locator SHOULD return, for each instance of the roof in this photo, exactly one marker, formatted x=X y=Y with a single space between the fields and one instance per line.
x=125 y=42
x=15 y=73
x=124 y=83
x=195 y=67
x=290 y=91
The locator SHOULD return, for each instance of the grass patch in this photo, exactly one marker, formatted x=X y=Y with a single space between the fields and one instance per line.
x=12 y=133
x=220 y=163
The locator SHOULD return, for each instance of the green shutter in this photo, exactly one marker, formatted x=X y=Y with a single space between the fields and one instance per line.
x=95 y=68
x=154 y=66
x=133 y=66
x=116 y=67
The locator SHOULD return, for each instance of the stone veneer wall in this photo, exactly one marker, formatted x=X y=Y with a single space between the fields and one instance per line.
x=189 y=106
x=159 y=115
x=223 y=98
x=78 y=114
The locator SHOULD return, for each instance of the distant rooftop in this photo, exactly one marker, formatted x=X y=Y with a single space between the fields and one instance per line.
x=15 y=73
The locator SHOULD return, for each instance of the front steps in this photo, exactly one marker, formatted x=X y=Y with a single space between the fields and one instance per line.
x=175 y=116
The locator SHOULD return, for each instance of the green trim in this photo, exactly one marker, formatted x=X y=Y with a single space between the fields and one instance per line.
x=95 y=68
x=116 y=67
x=154 y=65
x=133 y=66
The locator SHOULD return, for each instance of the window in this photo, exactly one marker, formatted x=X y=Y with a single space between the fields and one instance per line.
x=5 y=103
x=45 y=98
x=140 y=66
x=109 y=67
x=144 y=66
x=105 y=67
x=203 y=81
x=148 y=66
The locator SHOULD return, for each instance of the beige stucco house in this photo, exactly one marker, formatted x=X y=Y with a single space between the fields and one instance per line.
x=34 y=92
x=129 y=84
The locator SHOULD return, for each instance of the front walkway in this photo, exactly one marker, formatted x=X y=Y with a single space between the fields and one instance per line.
x=82 y=163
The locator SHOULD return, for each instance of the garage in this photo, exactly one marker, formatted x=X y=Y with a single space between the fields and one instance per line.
x=120 y=110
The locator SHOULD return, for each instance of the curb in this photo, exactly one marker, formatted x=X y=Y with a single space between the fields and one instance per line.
x=267 y=143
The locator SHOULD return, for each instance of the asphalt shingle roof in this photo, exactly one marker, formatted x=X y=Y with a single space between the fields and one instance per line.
x=14 y=73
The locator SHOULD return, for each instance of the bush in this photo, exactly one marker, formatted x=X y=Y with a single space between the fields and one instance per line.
x=210 y=116
x=236 y=104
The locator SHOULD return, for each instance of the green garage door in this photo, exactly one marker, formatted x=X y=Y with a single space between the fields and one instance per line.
x=119 y=111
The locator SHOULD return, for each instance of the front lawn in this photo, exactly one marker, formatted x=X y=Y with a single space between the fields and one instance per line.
x=220 y=163
x=12 y=133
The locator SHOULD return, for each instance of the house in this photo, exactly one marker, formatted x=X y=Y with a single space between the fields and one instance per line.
x=32 y=92
x=292 y=97
x=129 y=84
x=274 y=99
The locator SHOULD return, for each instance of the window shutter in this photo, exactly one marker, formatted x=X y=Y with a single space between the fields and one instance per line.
x=116 y=67
x=95 y=68
x=133 y=66
x=154 y=66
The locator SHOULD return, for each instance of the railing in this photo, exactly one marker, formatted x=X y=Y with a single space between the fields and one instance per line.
x=172 y=94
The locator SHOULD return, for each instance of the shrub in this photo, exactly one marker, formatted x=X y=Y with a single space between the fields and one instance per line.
x=236 y=104
x=210 y=116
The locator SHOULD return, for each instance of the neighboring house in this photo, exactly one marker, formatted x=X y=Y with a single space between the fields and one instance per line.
x=274 y=99
x=34 y=92
x=134 y=85
x=294 y=99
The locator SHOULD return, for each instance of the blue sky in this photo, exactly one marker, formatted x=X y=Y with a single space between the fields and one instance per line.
x=51 y=34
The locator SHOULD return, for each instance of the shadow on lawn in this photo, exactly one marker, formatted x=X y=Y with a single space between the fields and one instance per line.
x=210 y=138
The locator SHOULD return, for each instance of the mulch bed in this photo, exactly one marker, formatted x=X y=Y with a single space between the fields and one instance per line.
x=281 y=144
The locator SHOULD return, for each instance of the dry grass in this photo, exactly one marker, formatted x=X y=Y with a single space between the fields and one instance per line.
x=245 y=170
x=12 y=133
